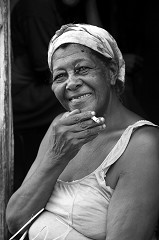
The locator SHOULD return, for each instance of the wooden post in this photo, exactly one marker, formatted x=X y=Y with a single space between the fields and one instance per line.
x=6 y=138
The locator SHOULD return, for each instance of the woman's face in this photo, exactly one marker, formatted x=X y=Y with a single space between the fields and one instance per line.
x=80 y=79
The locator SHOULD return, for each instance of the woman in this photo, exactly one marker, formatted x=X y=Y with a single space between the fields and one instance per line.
x=95 y=179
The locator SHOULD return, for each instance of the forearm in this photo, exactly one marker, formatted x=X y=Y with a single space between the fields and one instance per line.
x=33 y=195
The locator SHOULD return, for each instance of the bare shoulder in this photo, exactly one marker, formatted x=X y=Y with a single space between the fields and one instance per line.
x=142 y=152
x=147 y=134
x=145 y=138
x=134 y=203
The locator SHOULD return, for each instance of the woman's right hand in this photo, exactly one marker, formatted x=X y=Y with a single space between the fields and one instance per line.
x=69 y=133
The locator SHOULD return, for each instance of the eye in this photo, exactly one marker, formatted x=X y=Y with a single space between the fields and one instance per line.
x=59 y=77
x=82 y=70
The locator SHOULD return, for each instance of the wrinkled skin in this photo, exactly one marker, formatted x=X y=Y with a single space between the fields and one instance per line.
x=71 y=132
x=81 y=80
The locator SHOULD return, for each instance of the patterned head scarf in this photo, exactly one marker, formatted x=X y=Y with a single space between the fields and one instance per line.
x=90 y=36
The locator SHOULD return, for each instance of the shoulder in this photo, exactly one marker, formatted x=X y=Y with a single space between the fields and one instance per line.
x=146 y=136
x=142 y=152
x=141 y=156
x=138 y=167
x=136 y=195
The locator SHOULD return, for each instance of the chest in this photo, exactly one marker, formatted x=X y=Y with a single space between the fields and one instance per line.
x=89 y=158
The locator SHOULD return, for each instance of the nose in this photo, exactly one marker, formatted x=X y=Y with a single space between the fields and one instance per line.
x=73 y=83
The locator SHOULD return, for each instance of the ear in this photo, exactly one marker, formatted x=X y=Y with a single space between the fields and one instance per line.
x=113 y=70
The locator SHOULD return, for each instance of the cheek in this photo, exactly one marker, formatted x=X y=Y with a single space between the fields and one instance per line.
x=103 y=84
x=104 y=90
x=59 y=93
x=56 y=88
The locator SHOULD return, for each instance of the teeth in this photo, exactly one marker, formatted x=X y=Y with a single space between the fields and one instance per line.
x=85 y=95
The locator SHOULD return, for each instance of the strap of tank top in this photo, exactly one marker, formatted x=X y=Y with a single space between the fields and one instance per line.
x=122 y=143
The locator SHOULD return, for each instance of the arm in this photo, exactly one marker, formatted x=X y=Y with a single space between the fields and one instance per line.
x=35 y=189
x=134 y=207
x=61 y=143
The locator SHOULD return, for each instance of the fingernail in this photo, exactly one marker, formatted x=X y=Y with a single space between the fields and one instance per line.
x=102 y=119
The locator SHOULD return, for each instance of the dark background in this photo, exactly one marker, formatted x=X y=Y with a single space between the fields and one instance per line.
x=135 y=26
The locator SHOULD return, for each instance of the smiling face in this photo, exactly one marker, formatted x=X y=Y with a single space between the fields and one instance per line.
x=80 y=79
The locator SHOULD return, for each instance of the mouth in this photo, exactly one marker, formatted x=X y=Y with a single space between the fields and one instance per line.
x=82 y=97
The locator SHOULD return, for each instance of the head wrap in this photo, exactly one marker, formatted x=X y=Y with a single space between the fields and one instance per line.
x=90 y=36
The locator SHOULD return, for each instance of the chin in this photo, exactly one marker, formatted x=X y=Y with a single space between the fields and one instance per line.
x=82 y=107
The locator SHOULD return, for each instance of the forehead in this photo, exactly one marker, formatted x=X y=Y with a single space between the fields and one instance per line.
x=71 y=50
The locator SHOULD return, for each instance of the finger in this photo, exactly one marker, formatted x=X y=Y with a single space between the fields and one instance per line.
x=74 y=112
x=88 y=132
x=77 y=117
x=82 y=125
x=67 y=114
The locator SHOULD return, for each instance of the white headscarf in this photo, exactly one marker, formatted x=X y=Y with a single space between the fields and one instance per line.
x=90 y=36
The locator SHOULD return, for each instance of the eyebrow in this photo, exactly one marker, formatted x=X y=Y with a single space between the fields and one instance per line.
x=79 y=60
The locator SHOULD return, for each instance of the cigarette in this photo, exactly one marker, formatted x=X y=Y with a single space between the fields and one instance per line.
x=95 y=119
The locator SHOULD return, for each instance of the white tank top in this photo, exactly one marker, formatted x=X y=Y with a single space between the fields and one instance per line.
x=82 y=204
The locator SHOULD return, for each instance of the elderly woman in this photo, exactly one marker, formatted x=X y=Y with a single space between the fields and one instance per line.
x=96 y=172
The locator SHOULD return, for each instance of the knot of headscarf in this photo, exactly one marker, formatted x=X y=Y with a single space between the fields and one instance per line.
x=90 y=36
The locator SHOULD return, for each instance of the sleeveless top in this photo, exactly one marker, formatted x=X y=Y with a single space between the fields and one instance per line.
x=82 y=204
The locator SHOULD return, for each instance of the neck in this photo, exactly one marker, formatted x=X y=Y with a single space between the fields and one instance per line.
x=115 y=113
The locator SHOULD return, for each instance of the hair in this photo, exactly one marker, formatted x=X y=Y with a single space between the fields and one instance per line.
x=119 y=85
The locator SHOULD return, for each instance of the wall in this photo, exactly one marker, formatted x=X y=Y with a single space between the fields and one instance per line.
x=6 y=143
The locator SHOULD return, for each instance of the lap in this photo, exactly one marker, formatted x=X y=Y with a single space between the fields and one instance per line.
x=48 y=226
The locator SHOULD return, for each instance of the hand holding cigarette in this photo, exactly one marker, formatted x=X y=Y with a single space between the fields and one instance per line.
x=95 y=119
